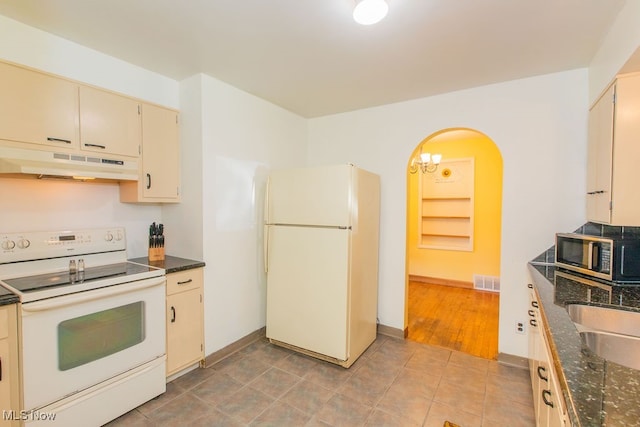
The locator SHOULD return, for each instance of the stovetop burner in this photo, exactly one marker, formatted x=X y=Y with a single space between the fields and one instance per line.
x=37 y=265
x=52 y=280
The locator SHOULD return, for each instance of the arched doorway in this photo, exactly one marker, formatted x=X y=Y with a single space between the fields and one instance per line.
x=453 y=244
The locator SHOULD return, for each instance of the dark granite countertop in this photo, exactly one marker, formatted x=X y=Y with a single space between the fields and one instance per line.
x=597 y=392
x=7 y=297
x=171 y=264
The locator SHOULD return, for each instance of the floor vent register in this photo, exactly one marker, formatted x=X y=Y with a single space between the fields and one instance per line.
x=486 y=283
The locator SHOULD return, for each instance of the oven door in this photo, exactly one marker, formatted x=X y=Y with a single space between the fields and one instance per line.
x=73 y=342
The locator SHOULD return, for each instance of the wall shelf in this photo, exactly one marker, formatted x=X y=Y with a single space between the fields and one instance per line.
x=446 y=208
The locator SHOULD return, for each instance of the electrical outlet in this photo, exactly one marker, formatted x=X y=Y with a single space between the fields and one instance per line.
x=520 y=328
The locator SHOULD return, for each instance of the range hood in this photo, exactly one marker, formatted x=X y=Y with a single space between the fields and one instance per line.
x=65 y=165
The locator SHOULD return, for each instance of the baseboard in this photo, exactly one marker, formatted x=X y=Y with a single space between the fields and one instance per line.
x=503 y=358
x=182 y=372
x=514 y=361
x=392 y=332
x=260 y=333
x=233 y=347
x=438 y=281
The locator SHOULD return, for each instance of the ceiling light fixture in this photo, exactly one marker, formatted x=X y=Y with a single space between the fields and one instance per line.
x=426 y=162
x=369 y=12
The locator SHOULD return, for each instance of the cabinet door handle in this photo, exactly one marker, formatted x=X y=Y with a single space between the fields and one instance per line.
x=184 y=282
x=533 y=322
x=541 y=369
x=530 y=285
x=546 y=394
x=66 y=141
x=532 y=313
x=534 y=304
x=0 y=369
x=95 y=146
x=173 y=315
x=148 y=181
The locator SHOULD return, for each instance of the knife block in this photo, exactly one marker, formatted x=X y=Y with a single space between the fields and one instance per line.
x=156 y=254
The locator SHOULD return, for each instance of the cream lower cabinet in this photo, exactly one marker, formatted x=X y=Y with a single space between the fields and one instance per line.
x=548 y=401
x=9 y=381
x=159 y=180
x=185 y=319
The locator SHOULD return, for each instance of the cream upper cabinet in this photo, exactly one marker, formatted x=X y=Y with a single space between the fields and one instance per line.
x=109 y=123
x=614 y=154
x=600 y=150
x=185 y=319
x=9 y=381
x=160 y=166
x=38 y=108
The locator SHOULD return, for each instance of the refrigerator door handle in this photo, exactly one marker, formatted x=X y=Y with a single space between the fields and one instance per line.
x=267 y=220
x=265 y=248
x=265 y=237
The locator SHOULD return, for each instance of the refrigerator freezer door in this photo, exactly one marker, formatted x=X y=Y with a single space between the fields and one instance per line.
x=307 y=288
x=310 y=196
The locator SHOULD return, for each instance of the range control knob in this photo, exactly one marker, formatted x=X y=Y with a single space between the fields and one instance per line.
x=108 y=237
x=119 y=235
x=24 y=243
x=8 y=245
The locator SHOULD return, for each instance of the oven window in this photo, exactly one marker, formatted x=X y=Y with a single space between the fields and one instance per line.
x=94 y=336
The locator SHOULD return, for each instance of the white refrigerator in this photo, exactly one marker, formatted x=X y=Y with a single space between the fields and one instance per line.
x=321 y=258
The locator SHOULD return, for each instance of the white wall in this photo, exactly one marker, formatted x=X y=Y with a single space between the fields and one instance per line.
x=54 y=205
x=622 y=40
x=539 y=124
x=242 y=139
x=184 y=221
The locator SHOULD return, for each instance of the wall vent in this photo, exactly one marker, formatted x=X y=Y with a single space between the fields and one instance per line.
x=486 y=283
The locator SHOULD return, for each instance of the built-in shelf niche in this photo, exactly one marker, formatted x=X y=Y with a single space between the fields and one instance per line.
x=446 y=206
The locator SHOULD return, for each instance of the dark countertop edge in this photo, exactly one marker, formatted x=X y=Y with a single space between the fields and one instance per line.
x=578 y=373
x=539 y=280
x=9 y=299
x=171 y=264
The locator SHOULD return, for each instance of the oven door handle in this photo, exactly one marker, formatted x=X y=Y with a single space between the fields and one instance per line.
x=94 y=294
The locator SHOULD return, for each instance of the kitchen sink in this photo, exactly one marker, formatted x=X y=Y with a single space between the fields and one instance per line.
x=609 y=333
x=588 y=317
x=620 y=349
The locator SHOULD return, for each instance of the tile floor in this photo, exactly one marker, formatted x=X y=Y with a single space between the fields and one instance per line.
x=394 y=383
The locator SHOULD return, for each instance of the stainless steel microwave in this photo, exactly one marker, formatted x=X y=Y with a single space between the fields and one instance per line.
x=608 y=258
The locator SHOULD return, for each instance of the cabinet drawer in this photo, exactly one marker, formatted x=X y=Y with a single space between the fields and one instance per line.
x=184 y=280
x=4 y=322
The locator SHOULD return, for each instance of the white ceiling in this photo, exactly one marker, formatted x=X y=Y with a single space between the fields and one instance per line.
x=311 y=58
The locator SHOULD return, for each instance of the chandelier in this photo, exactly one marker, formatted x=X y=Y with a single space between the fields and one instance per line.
x=426 y=162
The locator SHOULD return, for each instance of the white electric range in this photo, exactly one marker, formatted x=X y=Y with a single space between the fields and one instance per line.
x=92 y=325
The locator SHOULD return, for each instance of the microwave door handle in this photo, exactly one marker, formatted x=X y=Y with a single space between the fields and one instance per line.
x=594 y=256
x=590 y=257
x=622 y=261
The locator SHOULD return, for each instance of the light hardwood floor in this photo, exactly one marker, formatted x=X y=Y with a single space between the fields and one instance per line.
x=455 y=318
